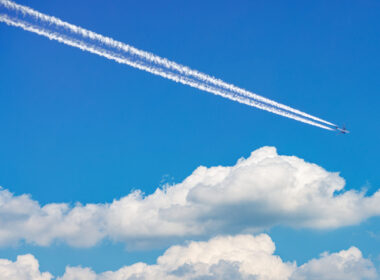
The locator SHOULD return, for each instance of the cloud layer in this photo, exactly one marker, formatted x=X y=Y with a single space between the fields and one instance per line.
x=224 y=257
x=257 y=193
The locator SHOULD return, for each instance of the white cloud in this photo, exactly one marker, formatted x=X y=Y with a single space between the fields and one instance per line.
x=242 y=256
x=256 y=193
x=225 y=257
x=22 y=218
x=347 y=264
x=26 y=267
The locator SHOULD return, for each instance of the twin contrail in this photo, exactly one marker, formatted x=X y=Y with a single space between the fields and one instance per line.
x=55 y=29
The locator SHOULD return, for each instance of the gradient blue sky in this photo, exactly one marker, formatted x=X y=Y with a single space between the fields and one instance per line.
x=78 y=127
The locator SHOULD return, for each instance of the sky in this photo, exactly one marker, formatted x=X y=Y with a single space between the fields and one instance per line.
x=78 y=129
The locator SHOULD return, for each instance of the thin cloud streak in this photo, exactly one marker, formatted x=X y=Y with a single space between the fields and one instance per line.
x=30 y=20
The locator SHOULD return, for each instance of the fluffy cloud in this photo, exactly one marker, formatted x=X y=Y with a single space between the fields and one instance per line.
x=256 y=193
x=238 y=257
x=229 y=257
x=347 y=264
x=26 y=267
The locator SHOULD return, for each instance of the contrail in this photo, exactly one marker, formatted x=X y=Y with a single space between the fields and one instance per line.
x=55 y=29
x=109 y=55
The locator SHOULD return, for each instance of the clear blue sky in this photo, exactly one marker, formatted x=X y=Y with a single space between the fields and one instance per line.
x=78 y=127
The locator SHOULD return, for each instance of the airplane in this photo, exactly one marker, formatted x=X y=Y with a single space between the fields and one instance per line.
x=342 y=130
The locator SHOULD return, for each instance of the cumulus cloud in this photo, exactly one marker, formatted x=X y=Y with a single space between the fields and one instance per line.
x=26 y=267
x=256 y=193
x=244 y=257
x=346 y=264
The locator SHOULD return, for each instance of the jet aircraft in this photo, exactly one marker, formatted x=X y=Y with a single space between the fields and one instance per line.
x=342 y=130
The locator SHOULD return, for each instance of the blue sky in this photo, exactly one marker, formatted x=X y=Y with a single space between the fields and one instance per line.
x=79 y=128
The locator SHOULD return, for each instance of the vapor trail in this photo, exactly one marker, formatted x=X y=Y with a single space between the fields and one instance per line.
x=55 y=29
